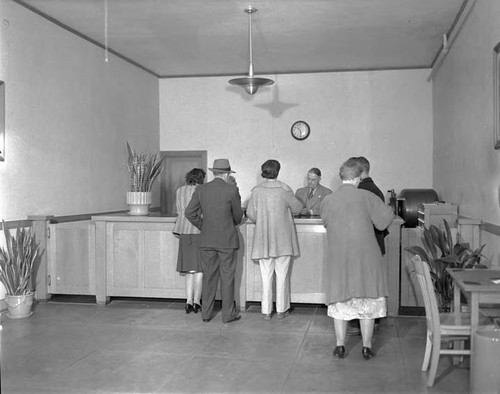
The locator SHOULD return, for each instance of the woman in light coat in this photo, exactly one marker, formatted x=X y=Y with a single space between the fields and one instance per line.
x=275 y=240
x=189 y=257
x=355 y=285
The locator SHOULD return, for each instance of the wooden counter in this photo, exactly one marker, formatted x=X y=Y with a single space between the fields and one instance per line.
x=136 y=256
x=307 y=270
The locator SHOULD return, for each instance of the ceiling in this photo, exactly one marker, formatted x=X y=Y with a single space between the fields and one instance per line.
x=178 y=38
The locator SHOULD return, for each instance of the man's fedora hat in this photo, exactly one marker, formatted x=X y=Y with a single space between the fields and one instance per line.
x=221 y=165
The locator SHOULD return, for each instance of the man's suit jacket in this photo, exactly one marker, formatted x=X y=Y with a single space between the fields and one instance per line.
x=368 y=184
x=313 y=204
x=215 y=208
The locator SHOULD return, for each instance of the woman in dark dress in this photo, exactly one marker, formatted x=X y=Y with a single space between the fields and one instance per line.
x=189 y=258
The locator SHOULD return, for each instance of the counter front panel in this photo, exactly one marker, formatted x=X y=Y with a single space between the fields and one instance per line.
x=136 y=256
x=306 y=270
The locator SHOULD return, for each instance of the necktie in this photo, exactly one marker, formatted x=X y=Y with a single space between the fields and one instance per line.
x=310 y=195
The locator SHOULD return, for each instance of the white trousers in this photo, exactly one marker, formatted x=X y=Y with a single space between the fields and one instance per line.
x=268 y=267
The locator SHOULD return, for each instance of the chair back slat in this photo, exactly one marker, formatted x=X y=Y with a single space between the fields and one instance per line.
x=423 y=275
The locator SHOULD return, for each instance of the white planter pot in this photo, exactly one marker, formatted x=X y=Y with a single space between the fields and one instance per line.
x=19 y=305
x=139 y=203
x=3 y=304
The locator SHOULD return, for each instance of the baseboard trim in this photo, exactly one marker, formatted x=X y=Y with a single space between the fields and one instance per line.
x=411 y=311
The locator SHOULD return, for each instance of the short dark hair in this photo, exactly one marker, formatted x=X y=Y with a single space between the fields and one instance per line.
x=195 y=177
x=350 y=169
x=316 y=171
x=364 y=163
x=270 y=169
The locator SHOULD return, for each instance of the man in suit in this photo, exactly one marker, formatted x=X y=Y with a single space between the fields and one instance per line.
x=312 y=195
x=368 y=184
x=215 y=209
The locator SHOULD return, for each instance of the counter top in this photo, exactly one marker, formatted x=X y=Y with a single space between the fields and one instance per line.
x=152 y=217
x=158 y=217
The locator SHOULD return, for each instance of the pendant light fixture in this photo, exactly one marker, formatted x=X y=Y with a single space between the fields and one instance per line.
x=251 y=84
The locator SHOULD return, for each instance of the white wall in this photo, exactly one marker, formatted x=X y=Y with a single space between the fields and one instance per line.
x=466 y=165
x=68 y=117
x=383 y=115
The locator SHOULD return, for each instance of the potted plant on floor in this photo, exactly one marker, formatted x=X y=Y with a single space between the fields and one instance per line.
x=143 y=170
x=17 y=266
x=440 y=252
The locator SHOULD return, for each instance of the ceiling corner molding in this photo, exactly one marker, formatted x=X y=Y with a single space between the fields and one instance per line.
x=449 y=38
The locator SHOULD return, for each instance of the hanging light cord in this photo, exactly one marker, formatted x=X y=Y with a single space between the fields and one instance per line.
x=106 y=57
x=250 y=49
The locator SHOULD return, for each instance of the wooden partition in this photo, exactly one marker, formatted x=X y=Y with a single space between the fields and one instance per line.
x=118 y=255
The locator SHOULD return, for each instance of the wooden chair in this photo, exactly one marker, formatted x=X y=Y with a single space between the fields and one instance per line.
x=441 y=327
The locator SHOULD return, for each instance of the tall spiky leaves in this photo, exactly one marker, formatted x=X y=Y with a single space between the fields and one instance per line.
x=440 y=252
x=17 y=260
x=143 y=169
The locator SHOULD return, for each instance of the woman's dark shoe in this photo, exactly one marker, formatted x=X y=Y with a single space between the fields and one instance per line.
x=339 y=351
x=189 y=308
x=196 y=307
x=367 y=353
x=282 y=315
x=236 y=318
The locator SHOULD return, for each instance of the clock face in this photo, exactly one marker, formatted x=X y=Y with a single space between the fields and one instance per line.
x=300 y=130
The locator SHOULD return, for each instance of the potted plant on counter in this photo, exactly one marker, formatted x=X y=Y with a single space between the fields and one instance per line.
x=143 y=170
x=440 y=252
x=17 y=267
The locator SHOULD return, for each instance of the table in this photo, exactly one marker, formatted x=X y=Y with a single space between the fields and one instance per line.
x=479 y=286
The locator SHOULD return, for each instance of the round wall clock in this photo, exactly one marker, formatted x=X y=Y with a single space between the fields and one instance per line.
x=300 y=130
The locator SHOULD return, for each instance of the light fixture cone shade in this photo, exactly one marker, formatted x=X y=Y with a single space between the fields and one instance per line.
x=251 y=84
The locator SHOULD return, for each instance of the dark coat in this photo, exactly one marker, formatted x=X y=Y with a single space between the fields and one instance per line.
x=354 y=261
x=368 y=184
x=215 y=209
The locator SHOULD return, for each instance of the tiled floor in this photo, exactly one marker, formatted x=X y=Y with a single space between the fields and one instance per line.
x=148 y=346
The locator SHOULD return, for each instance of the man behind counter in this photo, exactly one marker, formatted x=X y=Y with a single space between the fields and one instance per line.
x=312 y=195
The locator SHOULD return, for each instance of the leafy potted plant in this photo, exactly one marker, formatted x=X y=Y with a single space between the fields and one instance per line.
x=17 y=266
x=440 y=252
x=143 y=170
